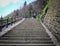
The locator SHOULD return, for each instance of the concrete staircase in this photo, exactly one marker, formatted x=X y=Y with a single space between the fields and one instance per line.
x=28 y=33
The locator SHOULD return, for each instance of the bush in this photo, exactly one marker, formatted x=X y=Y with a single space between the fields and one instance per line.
x=38 y=16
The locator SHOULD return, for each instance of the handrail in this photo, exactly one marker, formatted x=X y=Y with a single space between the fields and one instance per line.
x=8 y=21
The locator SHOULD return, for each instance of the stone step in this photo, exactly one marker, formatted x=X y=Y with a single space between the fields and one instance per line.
x=25 y=36
x=25 y=39
x=19 y=32
x=27 y=45
x=4 y=41
x=26 y=42
x=25 y=30
x=28 y=38
x=28 y=29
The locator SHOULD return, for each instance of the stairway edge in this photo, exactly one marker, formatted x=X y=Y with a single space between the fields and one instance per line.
x=53 y=38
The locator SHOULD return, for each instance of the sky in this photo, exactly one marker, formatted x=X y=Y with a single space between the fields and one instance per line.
x=8 y=6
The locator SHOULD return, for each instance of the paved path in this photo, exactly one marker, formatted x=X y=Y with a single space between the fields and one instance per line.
x=28 y=33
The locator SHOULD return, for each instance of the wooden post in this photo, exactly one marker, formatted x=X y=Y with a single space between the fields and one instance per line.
x=6 y=22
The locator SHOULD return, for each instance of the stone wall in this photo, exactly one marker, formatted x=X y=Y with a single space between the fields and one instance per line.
x=52 y=18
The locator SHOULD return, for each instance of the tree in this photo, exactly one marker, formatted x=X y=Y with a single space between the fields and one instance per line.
x=25 y=3
x=30 y=9
x=41 y=4
x=17 y=13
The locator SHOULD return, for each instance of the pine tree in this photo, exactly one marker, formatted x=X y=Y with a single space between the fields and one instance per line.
x=25 y=3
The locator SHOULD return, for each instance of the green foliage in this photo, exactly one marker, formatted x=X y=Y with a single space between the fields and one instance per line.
x=29 y=9
x=38 y=16
x=28 y=13
x=45 y=9
x=4 y=21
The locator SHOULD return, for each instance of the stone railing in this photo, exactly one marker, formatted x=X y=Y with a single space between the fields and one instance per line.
x=9 y=21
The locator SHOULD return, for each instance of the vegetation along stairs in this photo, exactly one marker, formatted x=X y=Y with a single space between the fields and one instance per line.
x=28 y=33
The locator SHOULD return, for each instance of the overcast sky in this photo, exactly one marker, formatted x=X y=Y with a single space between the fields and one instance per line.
x=7 y=6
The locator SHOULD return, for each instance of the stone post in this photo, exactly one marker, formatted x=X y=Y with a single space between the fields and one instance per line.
x=6 y=22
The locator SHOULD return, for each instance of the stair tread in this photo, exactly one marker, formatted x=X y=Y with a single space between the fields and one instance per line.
x=26 y=44
x=15 y=38
x=25 y=41
x=26 y=36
